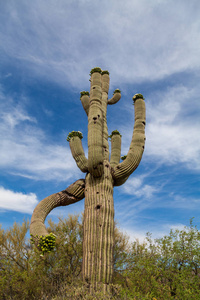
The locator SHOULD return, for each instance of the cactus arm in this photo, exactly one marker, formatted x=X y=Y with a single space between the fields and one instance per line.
x=116 y=97
x=78 y=153
x=95 y=126
x=115 y=149
x=85 y=100
x=74 y=193
x=123 y=170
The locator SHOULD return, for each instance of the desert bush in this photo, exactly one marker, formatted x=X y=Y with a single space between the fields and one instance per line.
x=165 y=268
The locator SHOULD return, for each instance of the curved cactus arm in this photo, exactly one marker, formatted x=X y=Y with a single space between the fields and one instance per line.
x=115 y=148
x=95 y=125
x=78 y=153
x=116 y=97
x=123 y=170
x=85 y=100
x=74 y=193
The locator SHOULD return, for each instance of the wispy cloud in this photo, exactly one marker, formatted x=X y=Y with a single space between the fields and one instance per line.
x=27 y=151
x=138 y=195
x=157 y=231
x=135 y=186
x=177 y=201
x=15 y=201
x=135 y=40
x=173 y=127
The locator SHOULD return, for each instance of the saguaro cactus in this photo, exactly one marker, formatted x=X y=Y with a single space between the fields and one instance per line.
x=102 y=175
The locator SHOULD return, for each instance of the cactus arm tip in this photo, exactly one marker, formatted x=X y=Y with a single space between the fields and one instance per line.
x=95 y=70
x=105 y=72
x=85 y=100
x=82 y=93
x=73 y=134
x=115 y=148
x=116 y=97
x=137 y=96
x=77 y=151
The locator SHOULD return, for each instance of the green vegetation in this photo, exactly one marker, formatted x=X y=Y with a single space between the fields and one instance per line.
x=74 y=133
x=46 y=243
x=116 y=91
x=97 y=69
x=105 y=72
x=84 y=93
x=114 y=132
x=123 y=157
x=165 y=268
x=137 y=96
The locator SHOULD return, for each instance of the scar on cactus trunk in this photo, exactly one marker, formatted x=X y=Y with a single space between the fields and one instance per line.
x=102 y=174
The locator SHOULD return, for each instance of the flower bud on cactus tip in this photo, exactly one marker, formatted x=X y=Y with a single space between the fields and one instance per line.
x=137 y=96
x=97 y=69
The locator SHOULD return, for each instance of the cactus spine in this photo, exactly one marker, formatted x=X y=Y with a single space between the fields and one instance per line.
x=102 y=175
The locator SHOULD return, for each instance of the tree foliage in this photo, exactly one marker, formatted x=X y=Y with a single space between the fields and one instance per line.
x=165 y=268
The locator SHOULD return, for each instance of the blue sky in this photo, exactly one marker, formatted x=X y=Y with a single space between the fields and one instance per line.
x=47 y=50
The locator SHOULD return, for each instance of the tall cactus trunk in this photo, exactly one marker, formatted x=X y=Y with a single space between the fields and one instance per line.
x=98 y=229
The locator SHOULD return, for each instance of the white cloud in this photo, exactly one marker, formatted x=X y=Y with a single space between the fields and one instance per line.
x=12 y=118
x=137 y=197
x=27 y=151
x=173 y=127
x=157 y=231
x=177 y=226
x=15 y=201
x=135 y=186
x=136 y=40
x=177 y=201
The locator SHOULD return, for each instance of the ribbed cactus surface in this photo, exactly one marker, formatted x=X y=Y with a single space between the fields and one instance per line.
x=102 y=174
x=98 y=227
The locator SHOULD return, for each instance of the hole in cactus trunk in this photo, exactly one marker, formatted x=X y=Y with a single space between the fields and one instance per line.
x=98 y=206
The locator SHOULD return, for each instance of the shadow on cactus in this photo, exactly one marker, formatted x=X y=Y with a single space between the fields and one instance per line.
x=103 y=171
